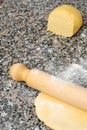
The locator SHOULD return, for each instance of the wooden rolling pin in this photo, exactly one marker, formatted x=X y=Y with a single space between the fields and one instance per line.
x=69 y=92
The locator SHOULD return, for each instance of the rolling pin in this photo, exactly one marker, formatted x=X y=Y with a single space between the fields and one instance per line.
x=51 y=85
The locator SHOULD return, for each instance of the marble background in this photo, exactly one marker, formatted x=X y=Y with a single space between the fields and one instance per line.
x=24 y=38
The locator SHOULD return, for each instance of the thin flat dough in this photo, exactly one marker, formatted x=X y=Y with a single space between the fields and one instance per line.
x=59 y=115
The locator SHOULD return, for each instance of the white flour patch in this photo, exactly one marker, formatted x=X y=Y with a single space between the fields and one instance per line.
x=76 y=73
x=53 y=79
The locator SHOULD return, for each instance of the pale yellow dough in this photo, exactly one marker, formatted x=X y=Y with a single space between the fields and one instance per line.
x=64 y=20
x=59 y=115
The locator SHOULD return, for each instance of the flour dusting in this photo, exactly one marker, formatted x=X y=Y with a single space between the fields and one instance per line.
x=76 y=73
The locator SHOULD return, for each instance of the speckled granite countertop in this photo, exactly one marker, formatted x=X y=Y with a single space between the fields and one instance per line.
x=24 y=38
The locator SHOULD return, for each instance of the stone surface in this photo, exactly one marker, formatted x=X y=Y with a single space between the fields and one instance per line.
x=24 y=38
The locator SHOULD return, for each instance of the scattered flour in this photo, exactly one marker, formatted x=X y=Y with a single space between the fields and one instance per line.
x=76 y=73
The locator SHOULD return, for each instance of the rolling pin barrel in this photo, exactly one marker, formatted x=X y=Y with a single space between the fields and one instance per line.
x=68 y=92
